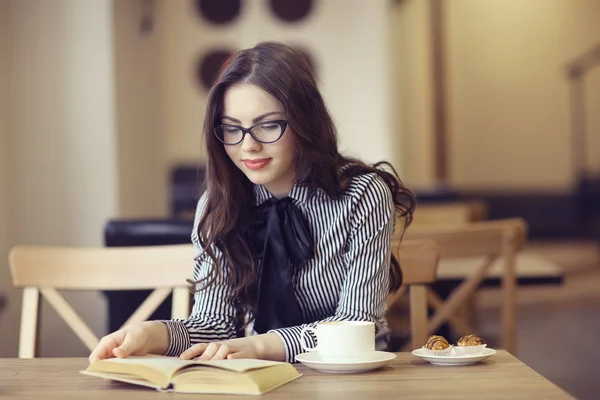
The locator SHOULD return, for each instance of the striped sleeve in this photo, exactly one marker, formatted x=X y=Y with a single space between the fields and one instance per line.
x=213 y=315
x=365 y=287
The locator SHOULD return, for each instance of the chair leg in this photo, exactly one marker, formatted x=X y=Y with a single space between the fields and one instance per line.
x=29 y=322
x=509 y=302
x=446 y=311
x=471 y=309
x=73 y=320
x=460 y=324
x=418 y=315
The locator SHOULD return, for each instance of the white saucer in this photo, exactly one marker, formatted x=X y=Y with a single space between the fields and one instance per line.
x=453 y=358
x=377 y=360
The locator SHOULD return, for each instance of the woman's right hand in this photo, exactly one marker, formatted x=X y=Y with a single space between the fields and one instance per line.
x=149 y=337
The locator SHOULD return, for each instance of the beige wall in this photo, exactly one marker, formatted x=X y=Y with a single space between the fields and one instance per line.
x=10 y=316
x=413 y=89
x=85 y=139
x=593 y=118
x=63 y=175
x=85 y=142
x=351 y=48
x=142 y=177
x=183 y=102
x=508 y=93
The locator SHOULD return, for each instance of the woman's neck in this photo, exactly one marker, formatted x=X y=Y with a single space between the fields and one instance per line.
x=279 y=191
x=281 y=187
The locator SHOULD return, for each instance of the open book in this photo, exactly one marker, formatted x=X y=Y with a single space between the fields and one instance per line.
x=243 y=376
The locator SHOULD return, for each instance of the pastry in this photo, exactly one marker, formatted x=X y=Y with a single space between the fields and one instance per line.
x=469 y=340
x=436 y=342
x=469 y=345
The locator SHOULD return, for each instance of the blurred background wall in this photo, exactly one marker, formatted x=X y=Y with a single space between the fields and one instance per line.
x=101 y=99
x=138 y=102
x=61 y=153
x=7 y=345
x=412 y=66
x=508 y=93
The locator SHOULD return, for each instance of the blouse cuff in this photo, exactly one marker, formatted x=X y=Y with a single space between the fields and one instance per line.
x=291 y=341
x=179 y=338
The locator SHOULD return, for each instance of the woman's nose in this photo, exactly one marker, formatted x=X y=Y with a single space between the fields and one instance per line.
x=249 y=144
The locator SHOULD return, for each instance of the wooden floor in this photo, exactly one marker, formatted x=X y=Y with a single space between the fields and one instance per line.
x=560 y=343
x=558 y=327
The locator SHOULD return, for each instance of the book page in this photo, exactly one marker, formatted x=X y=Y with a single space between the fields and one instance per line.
x=166 y=365
x=124 y=378
x=169 y=365
x=241 y=365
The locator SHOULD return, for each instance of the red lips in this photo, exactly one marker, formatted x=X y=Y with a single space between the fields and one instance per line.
x=257 y=164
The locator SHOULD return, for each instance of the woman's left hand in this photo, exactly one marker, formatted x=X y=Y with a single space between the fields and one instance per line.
x=266 y=346
x=225 y=350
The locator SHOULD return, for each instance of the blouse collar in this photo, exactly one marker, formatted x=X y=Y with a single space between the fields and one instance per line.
x=299 y=193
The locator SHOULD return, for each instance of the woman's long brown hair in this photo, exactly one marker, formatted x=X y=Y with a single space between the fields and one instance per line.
x=285 y=74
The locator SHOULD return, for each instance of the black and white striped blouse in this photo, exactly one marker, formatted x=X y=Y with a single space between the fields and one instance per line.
x=346 y=280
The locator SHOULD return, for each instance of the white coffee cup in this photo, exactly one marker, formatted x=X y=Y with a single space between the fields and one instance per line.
x=342 y=340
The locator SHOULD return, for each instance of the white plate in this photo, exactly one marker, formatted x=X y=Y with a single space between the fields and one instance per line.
x=377 y=360
x=453 y=358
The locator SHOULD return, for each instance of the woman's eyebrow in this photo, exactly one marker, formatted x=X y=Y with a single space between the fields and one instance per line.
x=255 y=120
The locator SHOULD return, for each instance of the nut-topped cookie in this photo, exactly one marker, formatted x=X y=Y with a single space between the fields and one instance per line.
x=437 y=346
x=436 y=342
x=469 y=340
x=469 y=345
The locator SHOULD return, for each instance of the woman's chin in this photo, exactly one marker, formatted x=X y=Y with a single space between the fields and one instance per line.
x=258 y=177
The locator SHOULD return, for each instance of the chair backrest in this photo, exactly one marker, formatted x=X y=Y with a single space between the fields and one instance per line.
x=418 y=260
x=490 y=240
x=482 y=238
x=39 y=269
x=450 y=213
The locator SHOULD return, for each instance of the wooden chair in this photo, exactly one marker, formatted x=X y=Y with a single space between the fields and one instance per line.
x=452 y=212
x=418 y=261
x=498 y=240
x=46 y=270
x=456 y=212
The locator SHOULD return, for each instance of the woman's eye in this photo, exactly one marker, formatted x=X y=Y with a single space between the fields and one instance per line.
x=270 y=127
x=231 y=129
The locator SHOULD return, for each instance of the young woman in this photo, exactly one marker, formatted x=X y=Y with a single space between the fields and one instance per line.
x=289 y=232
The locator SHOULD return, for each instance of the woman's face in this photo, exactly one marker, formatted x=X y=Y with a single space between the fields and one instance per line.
x=268 y=164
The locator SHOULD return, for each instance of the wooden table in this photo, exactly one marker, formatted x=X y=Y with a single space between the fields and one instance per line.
x=502 y=376
x=530 y=269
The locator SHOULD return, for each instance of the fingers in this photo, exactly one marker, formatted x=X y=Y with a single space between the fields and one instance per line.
x=194 y=351
x=207 y=351
x=210 y=352
x=99 y=353
x=222 y=353
x=104 y=349
x=126 y=348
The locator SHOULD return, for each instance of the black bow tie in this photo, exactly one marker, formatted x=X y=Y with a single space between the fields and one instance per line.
x=280 y=241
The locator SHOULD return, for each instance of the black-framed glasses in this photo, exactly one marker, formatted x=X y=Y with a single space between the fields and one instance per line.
x=263 y=132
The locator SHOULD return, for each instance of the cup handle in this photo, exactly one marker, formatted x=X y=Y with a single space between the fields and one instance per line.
x=302 y=333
